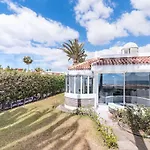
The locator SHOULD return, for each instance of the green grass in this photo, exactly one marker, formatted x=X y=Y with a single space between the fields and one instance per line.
x=39 y=126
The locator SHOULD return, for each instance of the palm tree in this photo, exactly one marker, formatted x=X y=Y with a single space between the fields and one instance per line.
x=27 y=60
x=38 y=69
x=74 y=51
x=48 y=69
x=8 y=68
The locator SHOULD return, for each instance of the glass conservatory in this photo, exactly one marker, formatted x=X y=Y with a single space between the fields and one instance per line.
x=79 y=89
x=121 y=79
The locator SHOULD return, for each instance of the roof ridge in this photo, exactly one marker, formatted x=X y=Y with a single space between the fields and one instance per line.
x=111 y=61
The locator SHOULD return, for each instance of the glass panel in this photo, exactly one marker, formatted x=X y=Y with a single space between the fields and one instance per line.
x=91 y=85
x=78 y=84
x=84 y=84
x=71 y=84
x=137 y=86
x=111 y=87
x=67 y=84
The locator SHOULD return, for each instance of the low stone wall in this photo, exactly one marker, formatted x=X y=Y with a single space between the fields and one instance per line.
x=79 y=102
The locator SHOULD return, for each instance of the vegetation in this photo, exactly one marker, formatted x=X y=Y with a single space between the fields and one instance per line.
x=8 y=68
x=74 y=51
x=27 y=60
x=48 y=69
x=16 y=86
x=137 y=118
x=37 y=126
x=1 y=67
x=107 y=133
x=38 y=69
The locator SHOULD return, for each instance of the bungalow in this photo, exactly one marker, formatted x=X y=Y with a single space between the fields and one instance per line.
x=123 y=78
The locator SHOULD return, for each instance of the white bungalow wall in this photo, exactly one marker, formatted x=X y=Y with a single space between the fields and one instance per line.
x=80 y=72
x=95 y=89
x=97 y=69
x=120 y=68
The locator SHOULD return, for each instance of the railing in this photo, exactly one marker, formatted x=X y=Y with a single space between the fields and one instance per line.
x=128 y=99
x=9 y=104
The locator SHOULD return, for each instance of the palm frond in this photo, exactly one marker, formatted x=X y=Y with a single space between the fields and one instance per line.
x=74 y=50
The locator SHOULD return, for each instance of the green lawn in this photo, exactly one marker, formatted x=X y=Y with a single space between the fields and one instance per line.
x=38 y=126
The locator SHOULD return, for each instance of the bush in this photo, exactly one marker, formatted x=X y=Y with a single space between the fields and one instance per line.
x=138 y=118
x=16 y=85
x=107 y=133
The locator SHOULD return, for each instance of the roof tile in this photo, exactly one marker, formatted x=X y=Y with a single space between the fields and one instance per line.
x=111 y=61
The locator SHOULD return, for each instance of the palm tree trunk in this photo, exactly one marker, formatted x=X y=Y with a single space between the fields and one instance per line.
x=28 y=67
x=75 y=62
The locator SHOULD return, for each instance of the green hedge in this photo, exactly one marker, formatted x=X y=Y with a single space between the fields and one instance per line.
x=16 y=85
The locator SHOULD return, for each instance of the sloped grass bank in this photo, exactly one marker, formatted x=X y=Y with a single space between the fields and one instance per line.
x=40 y=126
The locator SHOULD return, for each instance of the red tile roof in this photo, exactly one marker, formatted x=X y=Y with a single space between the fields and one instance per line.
x=83 y=66
x=111 y=61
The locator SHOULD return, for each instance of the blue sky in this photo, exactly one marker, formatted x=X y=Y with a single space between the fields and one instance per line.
x=37 y=28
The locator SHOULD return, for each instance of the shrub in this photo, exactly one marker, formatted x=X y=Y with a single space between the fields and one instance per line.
x=16 y=85
x=138 y=118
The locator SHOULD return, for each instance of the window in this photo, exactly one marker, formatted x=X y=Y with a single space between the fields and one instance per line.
x=111 y=87
x=71 y=84
x=84 y=84
x=67 y=83
x=137 y=84
x=78 y=84
x=74 y=85
x=90 y=85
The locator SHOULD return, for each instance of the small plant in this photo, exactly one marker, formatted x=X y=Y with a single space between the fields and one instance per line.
x=108 y=136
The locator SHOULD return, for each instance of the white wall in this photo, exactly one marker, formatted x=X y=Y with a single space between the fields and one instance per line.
x=80 y=72
x=121 y=68
x=81 y=96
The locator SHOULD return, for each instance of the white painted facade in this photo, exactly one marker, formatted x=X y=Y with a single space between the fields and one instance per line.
x=95 y=70
x=121 y=68
x=80 y=96
x=105 y=69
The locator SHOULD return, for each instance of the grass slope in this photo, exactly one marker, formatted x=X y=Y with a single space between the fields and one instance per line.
x=38 y=126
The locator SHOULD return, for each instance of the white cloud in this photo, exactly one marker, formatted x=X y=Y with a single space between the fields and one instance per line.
x=51 y=57
x=116 y=50
x=105 y=52
x=145 y=49
x=95 y=16
x=24 y=25
x=100 y=31
x=25 y=32
x=141 y=4
x=91 y=9
x=136 y=23
x=92 y=14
